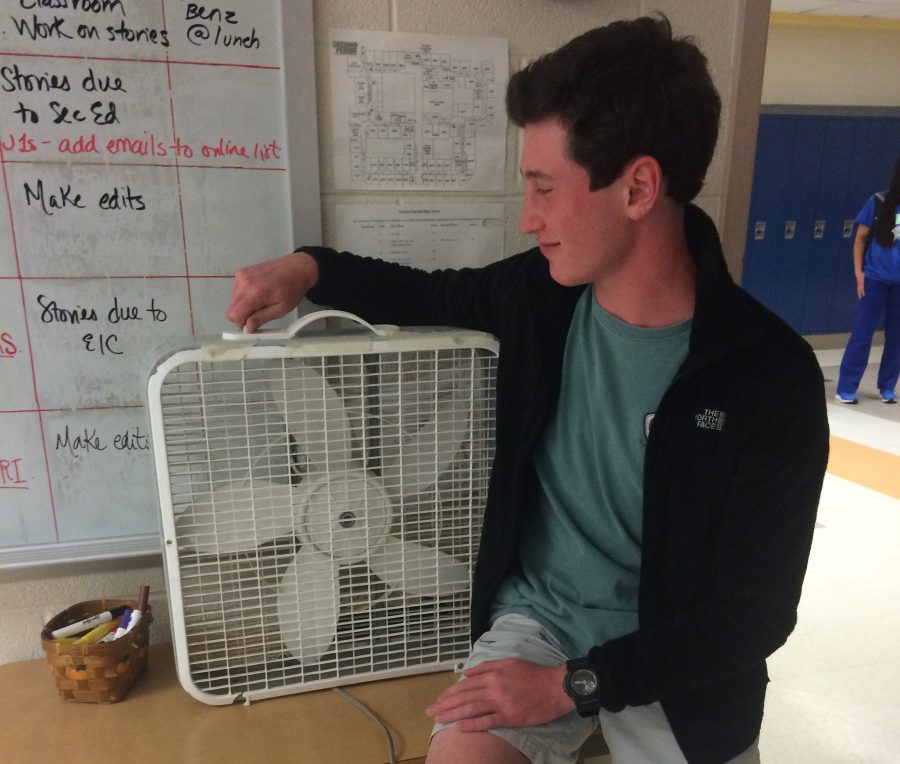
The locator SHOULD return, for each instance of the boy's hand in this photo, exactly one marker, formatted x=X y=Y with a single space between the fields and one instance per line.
x=503 y=693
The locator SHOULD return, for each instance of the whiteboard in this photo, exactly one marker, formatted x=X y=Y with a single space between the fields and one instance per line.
x=148 y=150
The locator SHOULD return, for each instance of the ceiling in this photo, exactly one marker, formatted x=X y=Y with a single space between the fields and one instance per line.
x=881 y=9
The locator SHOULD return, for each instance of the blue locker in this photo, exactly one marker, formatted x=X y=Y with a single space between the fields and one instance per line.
x=828 y=246
x=774 y=148
x=798 y=253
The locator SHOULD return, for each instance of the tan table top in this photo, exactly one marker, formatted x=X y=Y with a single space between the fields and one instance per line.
x=159 y=722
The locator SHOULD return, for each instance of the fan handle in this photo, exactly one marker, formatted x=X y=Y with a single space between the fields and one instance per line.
x=301 y=323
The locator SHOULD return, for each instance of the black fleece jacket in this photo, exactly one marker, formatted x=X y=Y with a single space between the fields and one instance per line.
x=732 y=474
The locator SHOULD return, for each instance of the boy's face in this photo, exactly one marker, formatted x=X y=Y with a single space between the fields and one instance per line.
x=583 y=234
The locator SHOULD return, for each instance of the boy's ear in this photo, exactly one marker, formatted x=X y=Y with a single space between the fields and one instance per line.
x=644 y=184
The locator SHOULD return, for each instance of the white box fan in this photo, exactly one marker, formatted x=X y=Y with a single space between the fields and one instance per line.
x=321 y=496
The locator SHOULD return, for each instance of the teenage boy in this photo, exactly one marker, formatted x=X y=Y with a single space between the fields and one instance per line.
x=661 y=436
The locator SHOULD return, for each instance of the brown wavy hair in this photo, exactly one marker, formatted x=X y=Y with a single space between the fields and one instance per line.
x=625 y=90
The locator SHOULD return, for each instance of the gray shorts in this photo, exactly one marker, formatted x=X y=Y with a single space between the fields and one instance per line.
x=517 y=636
x=635 y=735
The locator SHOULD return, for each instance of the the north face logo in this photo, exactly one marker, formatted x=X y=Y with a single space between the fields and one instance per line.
x=710 y=419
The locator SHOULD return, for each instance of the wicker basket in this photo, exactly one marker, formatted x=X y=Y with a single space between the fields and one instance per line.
x=102 y=672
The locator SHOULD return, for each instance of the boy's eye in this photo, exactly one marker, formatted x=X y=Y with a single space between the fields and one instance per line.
x=543 y=191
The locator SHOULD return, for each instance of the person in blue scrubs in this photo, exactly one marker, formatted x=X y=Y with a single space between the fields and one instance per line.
x=876 y=264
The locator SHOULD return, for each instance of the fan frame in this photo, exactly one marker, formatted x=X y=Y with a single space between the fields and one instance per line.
x=277 y=347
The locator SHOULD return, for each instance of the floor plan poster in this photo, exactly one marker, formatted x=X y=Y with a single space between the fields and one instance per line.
x=417 y=111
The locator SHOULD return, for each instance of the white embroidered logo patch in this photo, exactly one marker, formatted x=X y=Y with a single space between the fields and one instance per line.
x=710 y=419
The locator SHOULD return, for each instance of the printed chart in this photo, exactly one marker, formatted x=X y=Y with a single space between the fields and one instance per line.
x=143 y=147
x=417 y=111
x=427 y=237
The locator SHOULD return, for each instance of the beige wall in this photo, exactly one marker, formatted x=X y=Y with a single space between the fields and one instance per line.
x=832 y=62
x=730 y=32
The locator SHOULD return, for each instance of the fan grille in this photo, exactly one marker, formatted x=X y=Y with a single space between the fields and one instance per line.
x=254 y=446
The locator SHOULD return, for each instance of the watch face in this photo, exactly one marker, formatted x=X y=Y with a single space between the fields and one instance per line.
x=583 y=682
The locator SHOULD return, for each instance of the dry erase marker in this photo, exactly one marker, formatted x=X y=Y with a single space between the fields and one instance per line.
x=123 y=623
x=120 y=627
x=96 y=634
x=138 y=613
x=87 y=623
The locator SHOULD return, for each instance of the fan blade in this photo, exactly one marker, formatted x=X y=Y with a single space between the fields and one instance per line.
x=308 y=605
x=315 y=416
x=417 y=569
x=429 y=451
x=237 y=517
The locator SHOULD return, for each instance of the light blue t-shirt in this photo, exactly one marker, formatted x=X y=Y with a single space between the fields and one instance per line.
x=580 y=552
x=880 y=263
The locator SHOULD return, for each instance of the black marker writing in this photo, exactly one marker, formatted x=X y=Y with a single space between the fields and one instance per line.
x=52 y=312
x=122 y=199
x=84 y=441
x=65 y=197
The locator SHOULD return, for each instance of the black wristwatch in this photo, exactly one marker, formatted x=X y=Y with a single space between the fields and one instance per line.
x=583 y=685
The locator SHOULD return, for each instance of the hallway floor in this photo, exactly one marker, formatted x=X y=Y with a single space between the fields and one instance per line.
x=835 y=689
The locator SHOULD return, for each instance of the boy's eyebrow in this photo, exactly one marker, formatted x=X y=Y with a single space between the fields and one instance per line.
x=535 y=174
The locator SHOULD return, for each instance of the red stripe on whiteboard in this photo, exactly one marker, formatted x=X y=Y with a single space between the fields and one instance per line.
x=37 y=401
x=122 y=59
